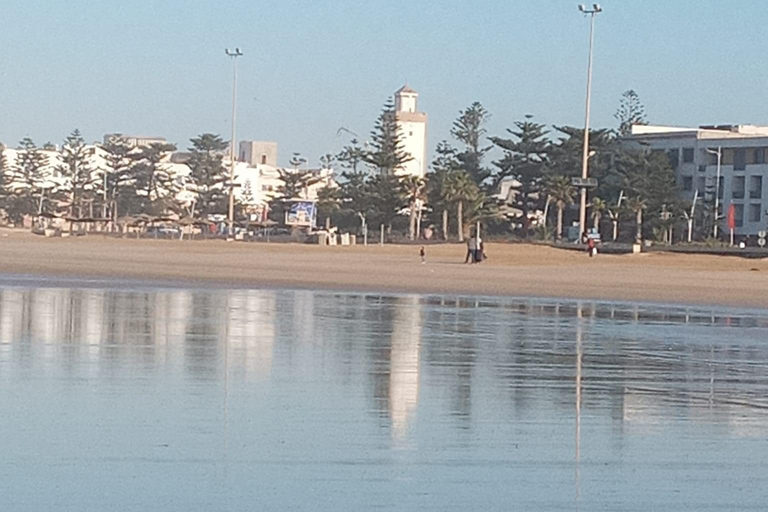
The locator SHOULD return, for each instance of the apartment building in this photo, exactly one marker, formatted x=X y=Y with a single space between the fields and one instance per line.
x=693 y=153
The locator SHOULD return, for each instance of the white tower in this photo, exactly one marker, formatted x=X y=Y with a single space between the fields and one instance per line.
x=412 y=125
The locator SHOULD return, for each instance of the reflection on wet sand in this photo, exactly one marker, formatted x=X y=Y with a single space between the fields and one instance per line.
x=404 y=364
x=574 y=393
x=656 y=359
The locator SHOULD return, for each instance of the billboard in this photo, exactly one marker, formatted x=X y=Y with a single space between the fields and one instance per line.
x=302 y=214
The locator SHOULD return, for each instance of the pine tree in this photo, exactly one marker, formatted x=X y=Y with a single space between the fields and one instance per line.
x=27 y=181
x=208 y=174
x=118 y=179
x=386 y=154
x=631 y=111
x=524 y=160
x=76 y=167
x=351 y=156
x=469 y=129
x=387 y=198
x=154 y=185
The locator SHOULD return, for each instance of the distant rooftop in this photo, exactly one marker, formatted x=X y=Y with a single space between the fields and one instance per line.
x=406 y=90
x=703 y=131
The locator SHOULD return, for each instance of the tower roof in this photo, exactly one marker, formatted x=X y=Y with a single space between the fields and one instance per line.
x=406 y=90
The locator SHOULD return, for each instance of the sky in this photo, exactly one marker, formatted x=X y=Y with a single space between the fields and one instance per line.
x=158 y=68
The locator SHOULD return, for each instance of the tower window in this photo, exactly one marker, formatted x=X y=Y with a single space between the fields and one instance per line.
x=263 y=159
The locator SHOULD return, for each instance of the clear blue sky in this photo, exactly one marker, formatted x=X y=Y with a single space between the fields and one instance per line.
x=158 y=67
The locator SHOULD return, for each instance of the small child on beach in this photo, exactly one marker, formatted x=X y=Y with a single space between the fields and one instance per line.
x=423 y=255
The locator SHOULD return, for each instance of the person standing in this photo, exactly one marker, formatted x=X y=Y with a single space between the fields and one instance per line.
x=471 y=246
x=591 y=247
x=423 y=255
x=478 y=249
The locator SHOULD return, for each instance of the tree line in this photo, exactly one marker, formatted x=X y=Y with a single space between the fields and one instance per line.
x=123 y=181
x=525 y=192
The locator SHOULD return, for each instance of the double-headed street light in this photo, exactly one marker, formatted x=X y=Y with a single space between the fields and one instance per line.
x=233 y=54
x=591 y=12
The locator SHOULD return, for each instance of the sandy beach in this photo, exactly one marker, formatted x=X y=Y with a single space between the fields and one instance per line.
x=512 y=269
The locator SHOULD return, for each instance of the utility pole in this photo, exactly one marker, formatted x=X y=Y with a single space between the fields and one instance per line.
x=592 y=12
x=233 y=54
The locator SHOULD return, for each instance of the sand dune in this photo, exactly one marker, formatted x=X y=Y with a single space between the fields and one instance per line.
x=512 y=269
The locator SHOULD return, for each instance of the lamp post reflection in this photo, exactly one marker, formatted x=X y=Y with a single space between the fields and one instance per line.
x=579 y=357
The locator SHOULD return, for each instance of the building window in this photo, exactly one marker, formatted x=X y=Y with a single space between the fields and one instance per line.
x=738 y=211
x=737 y=187
x=702 y=168
x=739 y=160
x=701 y=185
x=720 y=184
x=754 y=212
x=687 y=183
x=687 y=155
x=760 y=156
x=674 y=157
x=263 y=159
x=755 y=187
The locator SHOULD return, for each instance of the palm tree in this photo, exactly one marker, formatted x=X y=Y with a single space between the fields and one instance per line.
x=413 y=186
x=598 y=207
x=437 y=186
x=614 y=211
x=690 y=216
x=562 y=192
x=460 y=189
x=637 y=205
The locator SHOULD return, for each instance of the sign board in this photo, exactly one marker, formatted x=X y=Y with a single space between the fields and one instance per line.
x=302 y=214
x=584 y=182
x=761 y=234
x=761 y=242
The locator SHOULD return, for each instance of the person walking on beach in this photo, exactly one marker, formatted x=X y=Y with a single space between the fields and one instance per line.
x=423 y=255
x=478 y=249
x=471 y=247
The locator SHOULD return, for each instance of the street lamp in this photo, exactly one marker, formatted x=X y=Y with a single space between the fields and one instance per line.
x=592 y=12
x=233 y=54
x=719 y=154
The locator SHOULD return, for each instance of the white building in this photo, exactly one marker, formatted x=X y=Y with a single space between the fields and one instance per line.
x=134 y=141
x=257 y=152
x=743 y=168
x=412 y=126
x=257 y=183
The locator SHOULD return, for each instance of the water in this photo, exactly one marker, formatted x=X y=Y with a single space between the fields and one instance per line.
x=185 y=400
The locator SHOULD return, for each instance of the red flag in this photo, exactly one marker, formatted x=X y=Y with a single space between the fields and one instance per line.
x=731 y=216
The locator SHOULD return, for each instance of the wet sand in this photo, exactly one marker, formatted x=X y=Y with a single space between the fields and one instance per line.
x=512 y=269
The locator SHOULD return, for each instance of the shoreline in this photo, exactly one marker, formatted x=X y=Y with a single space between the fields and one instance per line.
x=23 y=281
x=512 y=270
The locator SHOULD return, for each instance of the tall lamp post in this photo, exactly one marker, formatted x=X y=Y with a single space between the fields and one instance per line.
x=233 y=54
x=591 y=12
x=719 y=153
